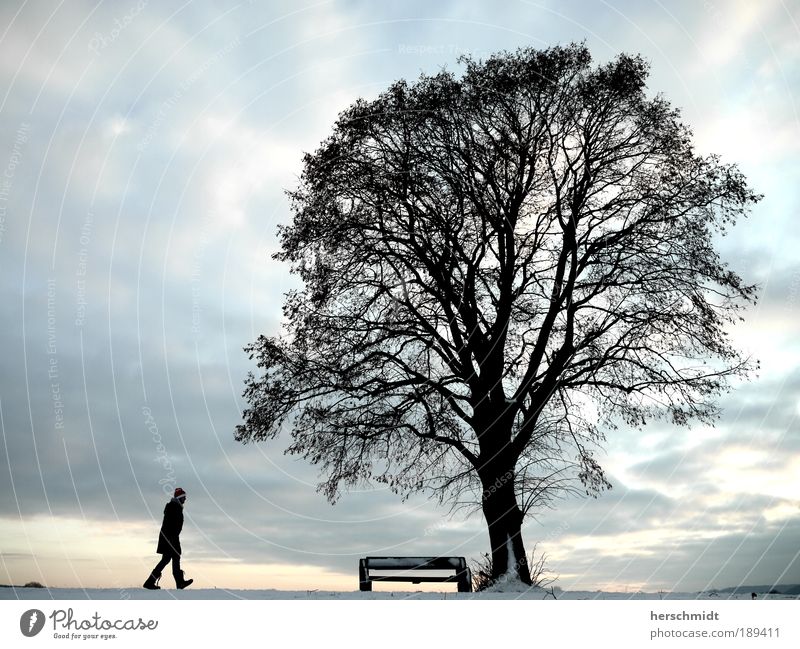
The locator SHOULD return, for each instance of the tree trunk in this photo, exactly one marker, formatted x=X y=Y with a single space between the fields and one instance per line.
x=504 y=519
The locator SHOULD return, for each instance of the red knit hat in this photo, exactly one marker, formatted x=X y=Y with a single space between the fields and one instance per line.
x=179 y=492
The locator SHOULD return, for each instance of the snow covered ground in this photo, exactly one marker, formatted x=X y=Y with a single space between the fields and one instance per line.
x=221 y=593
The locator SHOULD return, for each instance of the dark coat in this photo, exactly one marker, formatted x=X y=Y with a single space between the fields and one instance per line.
x=168 y=538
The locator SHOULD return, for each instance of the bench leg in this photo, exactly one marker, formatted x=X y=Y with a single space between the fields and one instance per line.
x=364 y=583
x=465 y=581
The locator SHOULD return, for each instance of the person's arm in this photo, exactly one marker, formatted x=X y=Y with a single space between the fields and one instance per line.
x=171 y=525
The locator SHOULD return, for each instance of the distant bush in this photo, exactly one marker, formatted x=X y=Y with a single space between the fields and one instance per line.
x=33 y=584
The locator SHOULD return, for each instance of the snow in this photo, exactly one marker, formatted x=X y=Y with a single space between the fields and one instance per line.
x=513 y=584
x=511 y=566
x=191 y=593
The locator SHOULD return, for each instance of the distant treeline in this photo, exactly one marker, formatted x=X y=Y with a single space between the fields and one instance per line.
x=780 y=589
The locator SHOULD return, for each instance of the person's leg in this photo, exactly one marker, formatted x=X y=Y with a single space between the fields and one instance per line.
x=180 y=581
x=176 y=568
x=162 y=564
x=152 y=580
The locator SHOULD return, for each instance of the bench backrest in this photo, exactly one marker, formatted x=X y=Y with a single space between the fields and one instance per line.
x=415 y=563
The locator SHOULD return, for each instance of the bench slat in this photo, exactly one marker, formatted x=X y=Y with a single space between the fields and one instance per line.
x=415 y=563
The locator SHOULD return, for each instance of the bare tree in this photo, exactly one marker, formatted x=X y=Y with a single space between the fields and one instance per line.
x=497 y=268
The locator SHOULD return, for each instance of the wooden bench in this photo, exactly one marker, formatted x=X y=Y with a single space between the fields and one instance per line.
x=408 y=569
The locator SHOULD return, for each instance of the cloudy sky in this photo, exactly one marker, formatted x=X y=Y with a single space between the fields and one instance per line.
x=144 y=152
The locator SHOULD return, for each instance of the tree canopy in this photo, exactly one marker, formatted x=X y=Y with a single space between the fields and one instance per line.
x=497 y=268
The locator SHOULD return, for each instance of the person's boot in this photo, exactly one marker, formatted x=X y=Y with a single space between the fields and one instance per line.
x=180 y=582
x=152 y=581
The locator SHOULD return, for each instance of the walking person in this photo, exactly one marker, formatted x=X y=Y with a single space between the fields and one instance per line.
x=169 y=543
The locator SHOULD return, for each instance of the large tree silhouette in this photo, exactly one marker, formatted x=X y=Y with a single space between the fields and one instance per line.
x=497 y=268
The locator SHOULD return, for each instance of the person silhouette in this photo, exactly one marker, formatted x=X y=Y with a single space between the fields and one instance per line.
x=169 y=543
